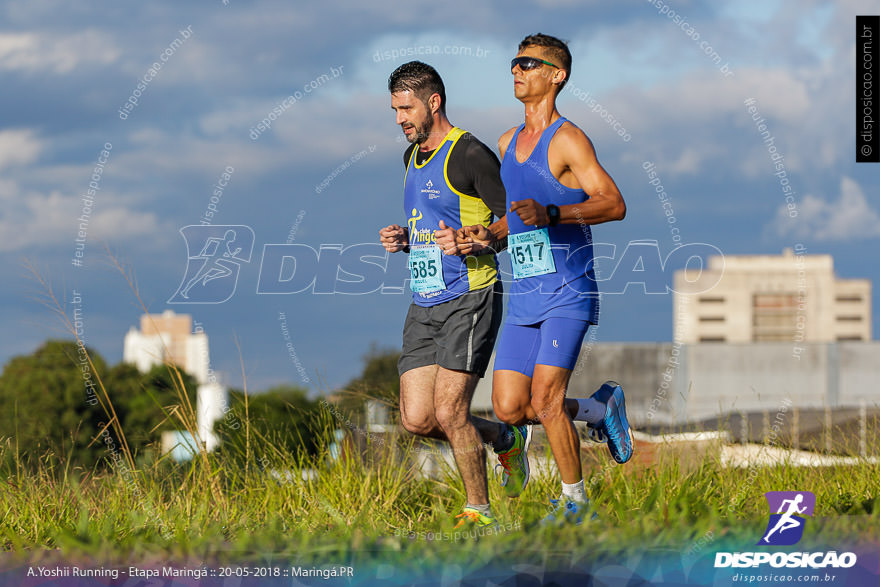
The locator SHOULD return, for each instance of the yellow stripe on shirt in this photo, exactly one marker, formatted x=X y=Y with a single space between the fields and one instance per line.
x=482 y=270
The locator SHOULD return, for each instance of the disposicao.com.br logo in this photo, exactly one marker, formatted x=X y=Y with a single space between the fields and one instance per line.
x=785 y=527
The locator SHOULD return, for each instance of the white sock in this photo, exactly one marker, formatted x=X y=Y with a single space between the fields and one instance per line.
x=590 y=410
x=574 y=491
x=486 y=509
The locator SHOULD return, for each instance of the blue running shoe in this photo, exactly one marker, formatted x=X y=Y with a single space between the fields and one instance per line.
x=596 y=434
x=604 y=393
x=615 y=425
x=568 y=513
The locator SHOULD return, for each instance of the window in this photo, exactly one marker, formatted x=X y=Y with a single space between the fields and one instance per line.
x=849 y=318
x=711 y=300
x=711 y=318
x=775 y=337
x=848 y=298
x=774 y=300
x=712 y=339
x=774 y=316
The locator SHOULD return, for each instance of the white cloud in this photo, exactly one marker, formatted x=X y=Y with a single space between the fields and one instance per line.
x=319 y=130
x=60 y=54
x=851 y=217
x=700 y=98
x=18 y=147
x=119 y=223
x=156 y=155
x=688 y=162
x=684 y=103
x=37 y=220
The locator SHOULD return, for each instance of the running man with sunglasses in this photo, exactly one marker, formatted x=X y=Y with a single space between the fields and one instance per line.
x=451 y=180
x=556 y=189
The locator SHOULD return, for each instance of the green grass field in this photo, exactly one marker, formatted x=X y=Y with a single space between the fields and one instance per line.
x=218 y=511
x=370 y=506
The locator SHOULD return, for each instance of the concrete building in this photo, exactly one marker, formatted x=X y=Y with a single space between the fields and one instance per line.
x=169 y=338
x=793 y=297
x=777 y=338
x=671 y=385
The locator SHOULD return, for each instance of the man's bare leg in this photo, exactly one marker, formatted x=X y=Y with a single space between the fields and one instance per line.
x=548 y=402
x=417 y=407
x=453 y=391
x=512 y=399
x=518 y=398
x=417 y=402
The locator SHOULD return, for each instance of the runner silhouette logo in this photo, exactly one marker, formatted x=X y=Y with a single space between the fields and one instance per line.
x=214 y=258
x=786 y=524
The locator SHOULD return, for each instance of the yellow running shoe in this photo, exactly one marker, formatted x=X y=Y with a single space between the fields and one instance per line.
x=473 y=518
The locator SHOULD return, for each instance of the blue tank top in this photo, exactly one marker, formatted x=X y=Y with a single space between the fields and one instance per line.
x=570 y=291
x=428 y=197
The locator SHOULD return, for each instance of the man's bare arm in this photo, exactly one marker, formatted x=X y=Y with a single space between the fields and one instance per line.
x=605 y=203
x=579 y=156
x=481 y=240
x=503 y=141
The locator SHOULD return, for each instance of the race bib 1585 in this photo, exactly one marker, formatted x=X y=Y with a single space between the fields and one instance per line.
x=426 y=269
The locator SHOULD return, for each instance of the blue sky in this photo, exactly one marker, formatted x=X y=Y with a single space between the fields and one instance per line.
x=67 y=70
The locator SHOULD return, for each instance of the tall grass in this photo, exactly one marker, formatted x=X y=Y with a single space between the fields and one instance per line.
x=376 y=500
x=371 y=499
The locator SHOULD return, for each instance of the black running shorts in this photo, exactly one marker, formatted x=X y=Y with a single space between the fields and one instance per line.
x=457 y=335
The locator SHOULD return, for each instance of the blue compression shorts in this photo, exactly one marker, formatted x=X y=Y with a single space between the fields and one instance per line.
x=555 y=342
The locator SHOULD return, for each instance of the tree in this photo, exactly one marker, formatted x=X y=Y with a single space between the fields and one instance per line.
x=280 y=423
x=49 y=403
x=142 y=401
x=379 y=379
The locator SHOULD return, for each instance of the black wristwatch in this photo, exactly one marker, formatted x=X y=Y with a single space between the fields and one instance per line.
x=553 y=214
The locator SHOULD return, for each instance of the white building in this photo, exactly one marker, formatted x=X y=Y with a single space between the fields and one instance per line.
x=793 y=297
x=169 y=338
x=767 y=335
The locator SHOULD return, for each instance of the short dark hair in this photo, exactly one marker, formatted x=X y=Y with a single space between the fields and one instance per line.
x=419 y=78
x=556 y=49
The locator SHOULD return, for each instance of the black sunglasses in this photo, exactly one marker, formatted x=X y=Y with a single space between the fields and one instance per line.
x=528 y=63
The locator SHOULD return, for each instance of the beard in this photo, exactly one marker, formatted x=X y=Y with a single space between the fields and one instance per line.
x=423 y=131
